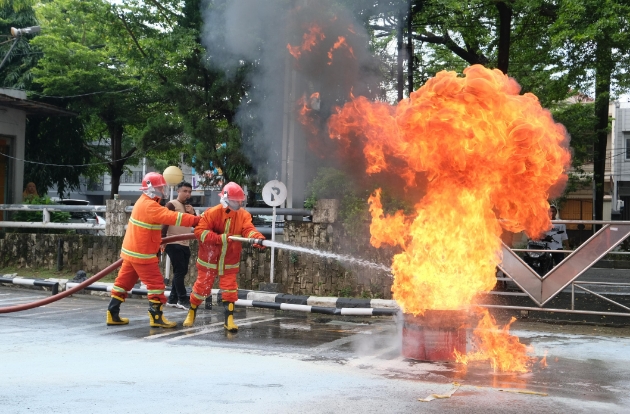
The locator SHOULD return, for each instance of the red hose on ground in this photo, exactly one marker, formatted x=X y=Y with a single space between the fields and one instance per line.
x=95 y=278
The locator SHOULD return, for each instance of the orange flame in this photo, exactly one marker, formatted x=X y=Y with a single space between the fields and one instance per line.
x=504 y=351
x=341 y=42
x=543 y=361
x=303 y=114
x=491 y=157
x=309 y=40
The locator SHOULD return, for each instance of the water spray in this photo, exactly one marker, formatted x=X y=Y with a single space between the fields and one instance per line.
x=340 y=257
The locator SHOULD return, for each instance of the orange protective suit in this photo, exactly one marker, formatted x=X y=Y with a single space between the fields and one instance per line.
x=141 y=244
x=218 y=255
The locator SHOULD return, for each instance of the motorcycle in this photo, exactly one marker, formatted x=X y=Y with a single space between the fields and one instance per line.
x=541 y=262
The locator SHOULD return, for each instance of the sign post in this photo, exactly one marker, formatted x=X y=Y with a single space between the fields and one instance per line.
x=274 y=193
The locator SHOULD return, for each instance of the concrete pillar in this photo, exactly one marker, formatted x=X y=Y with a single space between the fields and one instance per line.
x=326 y=211
x=116 y=217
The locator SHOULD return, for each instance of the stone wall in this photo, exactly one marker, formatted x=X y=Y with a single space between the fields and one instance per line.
x=80 y=251
x=299 y=273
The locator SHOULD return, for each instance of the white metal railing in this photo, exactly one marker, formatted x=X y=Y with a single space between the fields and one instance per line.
x=46 y=209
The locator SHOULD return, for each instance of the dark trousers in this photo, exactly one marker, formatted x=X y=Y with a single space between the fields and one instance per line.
x=180 y=255
x=557 y=258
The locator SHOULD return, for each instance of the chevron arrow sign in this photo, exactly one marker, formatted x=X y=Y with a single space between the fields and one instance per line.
x=542 y=289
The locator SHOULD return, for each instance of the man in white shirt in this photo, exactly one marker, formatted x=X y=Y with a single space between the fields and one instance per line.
x=558 y=236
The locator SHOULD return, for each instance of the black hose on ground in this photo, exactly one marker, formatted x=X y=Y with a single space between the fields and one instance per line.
x=95 y=278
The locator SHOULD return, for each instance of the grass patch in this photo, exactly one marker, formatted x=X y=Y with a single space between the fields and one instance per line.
x=41 y=273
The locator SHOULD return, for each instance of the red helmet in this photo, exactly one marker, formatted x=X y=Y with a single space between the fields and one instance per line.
x=152 y=179
x=153 y=185
x=233 y=196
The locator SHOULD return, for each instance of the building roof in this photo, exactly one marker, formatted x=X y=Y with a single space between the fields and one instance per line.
x=32 y=107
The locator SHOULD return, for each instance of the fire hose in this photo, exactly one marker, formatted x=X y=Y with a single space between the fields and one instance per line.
x=84 y=284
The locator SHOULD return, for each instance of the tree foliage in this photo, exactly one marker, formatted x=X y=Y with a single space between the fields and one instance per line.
x=15 y=72
x=112 y=60
x=594 y=40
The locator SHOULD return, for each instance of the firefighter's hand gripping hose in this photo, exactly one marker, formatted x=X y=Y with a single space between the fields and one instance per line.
x=95 y=278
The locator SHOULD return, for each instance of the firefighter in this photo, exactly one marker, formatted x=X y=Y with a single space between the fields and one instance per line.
x=139 y=251
x=218 y=254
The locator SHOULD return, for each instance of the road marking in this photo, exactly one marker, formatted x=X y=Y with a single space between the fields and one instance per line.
x=37 y=315
x=194 y=328
x=219 y=328
x=21 y=298
x=346 y=339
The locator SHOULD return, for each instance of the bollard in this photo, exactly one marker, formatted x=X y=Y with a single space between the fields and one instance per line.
x=54 y=286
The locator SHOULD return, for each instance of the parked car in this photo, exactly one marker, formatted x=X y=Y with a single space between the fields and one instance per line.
x=83 y=216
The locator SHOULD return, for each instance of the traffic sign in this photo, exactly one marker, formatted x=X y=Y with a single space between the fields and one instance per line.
x=274 y=193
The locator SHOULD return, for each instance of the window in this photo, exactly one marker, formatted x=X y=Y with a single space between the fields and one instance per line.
x=627 y=148
x=131 y=177
x=577 y=210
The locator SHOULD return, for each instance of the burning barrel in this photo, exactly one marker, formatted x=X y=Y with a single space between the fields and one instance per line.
x=435 y=335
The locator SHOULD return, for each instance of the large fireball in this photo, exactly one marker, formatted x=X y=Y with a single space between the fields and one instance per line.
x=492 y=158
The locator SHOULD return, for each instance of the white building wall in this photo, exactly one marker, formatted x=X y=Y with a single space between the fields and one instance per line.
x=620 y=132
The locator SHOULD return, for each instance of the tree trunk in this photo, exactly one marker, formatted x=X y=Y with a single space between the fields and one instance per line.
x=410 y=55
x=400 y=80
x=505 y=30
x=116 y=166
x=604 y=67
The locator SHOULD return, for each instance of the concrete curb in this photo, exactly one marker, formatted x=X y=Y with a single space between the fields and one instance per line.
x=17 y=280
x=251 y=298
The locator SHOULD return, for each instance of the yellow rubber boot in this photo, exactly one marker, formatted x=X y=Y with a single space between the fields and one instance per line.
x=113 y=311
x=229 y=317
x=190 y=318
x=157 y=318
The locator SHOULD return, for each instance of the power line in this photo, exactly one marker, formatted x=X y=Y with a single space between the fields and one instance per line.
x=68 y=165
x=84 y=94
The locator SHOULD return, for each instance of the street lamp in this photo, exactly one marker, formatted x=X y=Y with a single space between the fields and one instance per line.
x=27 y=30
x=17 y=34
x=173 y=176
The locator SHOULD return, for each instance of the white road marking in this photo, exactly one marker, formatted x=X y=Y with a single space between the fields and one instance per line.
x=194 y=328
x=216 y=328
x=36 y=315
x=21 y=298
x=326 y=346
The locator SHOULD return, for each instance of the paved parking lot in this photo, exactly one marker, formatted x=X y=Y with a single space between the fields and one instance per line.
x=63 y=358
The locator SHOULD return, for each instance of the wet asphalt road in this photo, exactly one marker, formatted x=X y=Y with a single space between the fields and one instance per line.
x=62 y=358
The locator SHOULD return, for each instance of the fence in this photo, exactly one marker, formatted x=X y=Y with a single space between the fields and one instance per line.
x=47 y=209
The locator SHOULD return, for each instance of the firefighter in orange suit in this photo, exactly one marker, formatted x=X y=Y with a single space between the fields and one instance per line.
x=139 y=251
x=218 y=254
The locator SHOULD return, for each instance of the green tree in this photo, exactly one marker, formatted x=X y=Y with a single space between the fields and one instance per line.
x=580 y=122
x=58 y=141
x=49 y=140
x=21 y=57
x=111 y=61
x=206 y=99
x=594 y=38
